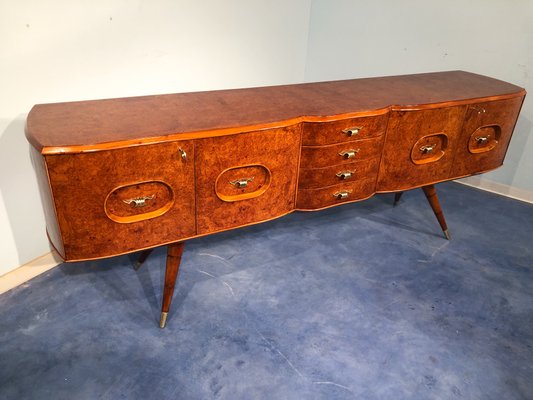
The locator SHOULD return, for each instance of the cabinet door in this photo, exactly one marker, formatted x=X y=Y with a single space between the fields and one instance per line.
x=419 y=147
x=246 y=178
x=115 y=201
x=485 y=136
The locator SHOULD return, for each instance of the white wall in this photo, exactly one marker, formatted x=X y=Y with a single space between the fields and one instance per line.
x=357 y=38
x=61 y=50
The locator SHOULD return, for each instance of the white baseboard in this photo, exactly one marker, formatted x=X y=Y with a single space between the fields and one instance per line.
x=28 y=271
x=499 y=188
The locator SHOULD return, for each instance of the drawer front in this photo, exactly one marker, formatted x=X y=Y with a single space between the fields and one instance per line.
x=321 y=133
x=341 y=153
x=419 y=148
x=246 y=178
x=313 y=199
x=115 y=201
x=485 y=136
x=313 y=178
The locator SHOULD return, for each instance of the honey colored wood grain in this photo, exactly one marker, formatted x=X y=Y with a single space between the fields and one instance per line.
x=315 y=199
x=245 y=182
x=81 y=183
x=122 y=175
x=405 y=130
x=88 y=183
x=429 y=148
x=47 y=200
x=277 y=150
x=322 y=133
x=314 y=178
x=501 y=114
x=67 y=127
x=328 y=155
x=174 y=254
x=138 y=202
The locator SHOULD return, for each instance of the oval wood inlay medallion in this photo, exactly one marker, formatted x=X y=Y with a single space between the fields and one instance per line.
x=139 y=201
x=242 y=182
x=429 y=148
x=484 y=138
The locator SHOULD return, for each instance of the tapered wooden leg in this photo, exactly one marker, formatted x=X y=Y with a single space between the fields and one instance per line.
x=142 y=258
x=397 y=197
x=431 y=195
x=174 y=252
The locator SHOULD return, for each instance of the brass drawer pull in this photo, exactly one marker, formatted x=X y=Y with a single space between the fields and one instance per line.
x=343 y=175
x=242 y=183
x=352 y=131
x=343 y=194
x=428 y=148
x=346 y=154
x=482 y=139
x=139 y=201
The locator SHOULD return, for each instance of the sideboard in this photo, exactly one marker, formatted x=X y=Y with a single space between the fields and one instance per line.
x=129 y=174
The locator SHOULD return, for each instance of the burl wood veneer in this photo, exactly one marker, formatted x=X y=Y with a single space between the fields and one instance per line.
x=123 y=175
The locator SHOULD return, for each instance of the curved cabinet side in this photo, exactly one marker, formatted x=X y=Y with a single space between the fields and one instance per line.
x=47 y=200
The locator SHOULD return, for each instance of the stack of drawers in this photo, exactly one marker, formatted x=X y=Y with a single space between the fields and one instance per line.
x=340 y=160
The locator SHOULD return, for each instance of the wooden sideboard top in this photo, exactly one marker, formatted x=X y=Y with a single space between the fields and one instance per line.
x=98 y=124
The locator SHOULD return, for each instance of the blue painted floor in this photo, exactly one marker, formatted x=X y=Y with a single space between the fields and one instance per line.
x=363 y=301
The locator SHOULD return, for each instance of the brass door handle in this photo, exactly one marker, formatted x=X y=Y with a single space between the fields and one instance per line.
x=241 y=183
x=346 y=154
x=183 y=154
x=139 y=201
x=428 y=148
x=352 y=131
x=341 y=195
x=343 y=175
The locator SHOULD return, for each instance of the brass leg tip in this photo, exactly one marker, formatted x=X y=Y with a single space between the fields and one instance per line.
x=163 y=320
x=447 y=234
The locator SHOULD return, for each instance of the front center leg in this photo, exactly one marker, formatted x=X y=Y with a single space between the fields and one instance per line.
x=431 y=195
x=174 y=252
